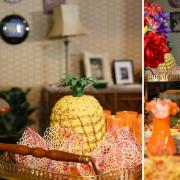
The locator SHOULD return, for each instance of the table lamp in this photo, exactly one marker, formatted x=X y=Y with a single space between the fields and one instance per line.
x=66 y=23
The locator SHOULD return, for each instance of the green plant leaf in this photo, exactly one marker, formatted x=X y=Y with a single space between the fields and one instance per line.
x=77 y=86
x=13 y=123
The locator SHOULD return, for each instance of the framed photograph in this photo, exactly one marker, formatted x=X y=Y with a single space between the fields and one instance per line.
x=123 y=70
x=48 y=5
x=175 y=21
x=98 y=66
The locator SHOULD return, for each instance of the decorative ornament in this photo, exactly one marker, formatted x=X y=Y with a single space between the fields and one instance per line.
x=80 y=112
x=12 y=1
x=14 y=29
x=161 y=142
x=156 y=32
x=169 y=63
x=156 y=19
x=174 y=3
x=154 y=49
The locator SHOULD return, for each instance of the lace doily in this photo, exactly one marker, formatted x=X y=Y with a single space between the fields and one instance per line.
x=117 y=151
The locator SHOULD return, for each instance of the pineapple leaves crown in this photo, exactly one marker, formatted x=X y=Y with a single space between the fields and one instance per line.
x=78 y=85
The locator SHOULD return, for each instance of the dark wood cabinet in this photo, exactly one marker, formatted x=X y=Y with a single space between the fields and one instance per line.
x=153 y=89
x=115 y=98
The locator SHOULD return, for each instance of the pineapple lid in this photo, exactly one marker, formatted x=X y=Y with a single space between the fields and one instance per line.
x=78 y=86
x=78 y=104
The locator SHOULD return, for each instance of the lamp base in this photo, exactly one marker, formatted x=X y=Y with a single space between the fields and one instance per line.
x=66 y=44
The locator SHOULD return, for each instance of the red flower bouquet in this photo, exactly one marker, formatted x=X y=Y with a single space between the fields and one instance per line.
x=156 y=32
x=155 y=47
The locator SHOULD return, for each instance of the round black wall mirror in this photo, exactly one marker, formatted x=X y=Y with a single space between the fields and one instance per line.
x=14 y=29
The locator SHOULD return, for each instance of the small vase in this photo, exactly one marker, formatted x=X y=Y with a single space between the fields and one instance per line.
x=161 y=142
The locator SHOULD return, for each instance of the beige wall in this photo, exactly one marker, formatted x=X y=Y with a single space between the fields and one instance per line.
x=114 y=27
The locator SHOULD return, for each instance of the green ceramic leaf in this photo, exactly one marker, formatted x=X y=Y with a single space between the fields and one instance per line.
x=77 y=86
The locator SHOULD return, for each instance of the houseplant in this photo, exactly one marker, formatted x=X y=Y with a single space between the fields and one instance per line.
x=14 y=122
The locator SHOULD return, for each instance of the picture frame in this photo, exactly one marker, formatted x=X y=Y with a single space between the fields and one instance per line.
x=123 y=71
x=98 y=66
x=48 y=5
x=175 y=21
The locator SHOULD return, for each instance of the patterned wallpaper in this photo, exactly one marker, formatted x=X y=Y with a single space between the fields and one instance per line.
x=114 y=26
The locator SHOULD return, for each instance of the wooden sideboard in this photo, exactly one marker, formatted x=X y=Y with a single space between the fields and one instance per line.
x=114 y=98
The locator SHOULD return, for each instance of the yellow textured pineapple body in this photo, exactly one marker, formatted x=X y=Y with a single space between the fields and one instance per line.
x=82 y=114
x=169 y=63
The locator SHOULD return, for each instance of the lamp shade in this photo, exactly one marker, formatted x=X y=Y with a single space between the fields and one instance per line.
x=66 y=22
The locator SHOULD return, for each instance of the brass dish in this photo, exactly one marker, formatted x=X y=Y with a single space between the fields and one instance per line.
x=11 y=170
x=14 y=171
